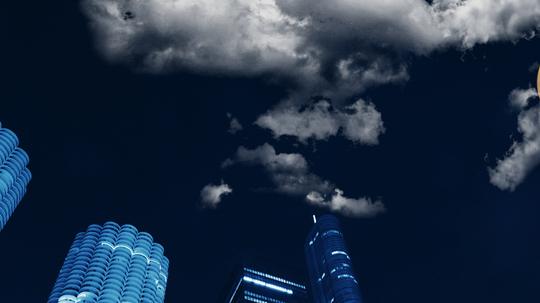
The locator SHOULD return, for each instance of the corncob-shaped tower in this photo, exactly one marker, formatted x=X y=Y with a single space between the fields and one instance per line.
x=111 y=264
x=14 y=176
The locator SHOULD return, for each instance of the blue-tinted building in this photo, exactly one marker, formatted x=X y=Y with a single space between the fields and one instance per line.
x=112 y=264
x=329 y=265
x=257 y=287
x=14 y=176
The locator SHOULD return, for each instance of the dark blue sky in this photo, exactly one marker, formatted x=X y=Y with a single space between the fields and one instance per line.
x=108 y=143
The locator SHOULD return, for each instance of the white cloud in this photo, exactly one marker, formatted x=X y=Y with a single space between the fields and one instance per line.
x=332 y=48
x=290 y=173
x=473 y=22
x=519 y=98
x=237 y=36
x=358 y=208
x=364 y=124
x=524 y=155
x=360 y=122
x=211 y=194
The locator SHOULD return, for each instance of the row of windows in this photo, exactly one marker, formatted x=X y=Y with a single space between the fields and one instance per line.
x=274 y=278
x=314 y=238
x=325 y=234
x=134 y=252
x=261 y=297
x=251 y=299
x=322 y=277
x=347 y=276
x=8 y=142
x=331 y=232
x=340 y=252
x=342 y=266
x=267 y=285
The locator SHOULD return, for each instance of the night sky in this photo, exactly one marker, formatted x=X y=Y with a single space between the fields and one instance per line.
x=108 y=142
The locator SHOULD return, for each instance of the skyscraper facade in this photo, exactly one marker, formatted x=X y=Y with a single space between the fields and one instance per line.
x=329 y=265
x=257 y=287
x=14 y=176
x=111 y=264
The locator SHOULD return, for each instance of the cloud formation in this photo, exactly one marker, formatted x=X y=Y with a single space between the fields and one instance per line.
x=524 y=155
x=519 y=98
x=291 y=174
x=333 y=48
x=359 y=122
x=358 y=208
x=211 y=194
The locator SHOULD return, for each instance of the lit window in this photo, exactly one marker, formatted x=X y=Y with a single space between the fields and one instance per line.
x=267 y=285
x=322 y=277
x=340 y=252
x=273 y=278
x=331 y=232
x=347 y=276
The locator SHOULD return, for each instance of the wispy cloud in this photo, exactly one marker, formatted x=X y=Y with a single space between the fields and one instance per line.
x=360 y=122
x=211 y=194
x=524 y=155
x=291 y=174
x=358 y=208
x=519 y=98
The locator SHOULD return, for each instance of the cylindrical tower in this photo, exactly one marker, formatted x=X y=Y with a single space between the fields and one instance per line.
x=111 y=264
x=14 y=176
x=329 y=265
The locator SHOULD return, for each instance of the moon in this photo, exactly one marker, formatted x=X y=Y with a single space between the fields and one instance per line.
x=538 y=83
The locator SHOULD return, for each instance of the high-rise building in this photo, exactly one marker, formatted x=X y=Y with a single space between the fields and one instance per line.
x=329 y=265
x=14 y=176
x=257 y=287
x=111 y=264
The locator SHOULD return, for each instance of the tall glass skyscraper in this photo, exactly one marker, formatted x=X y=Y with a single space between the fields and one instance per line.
x=257 y=287
x=112 y=264
x=14 y=176
x=329 y=265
